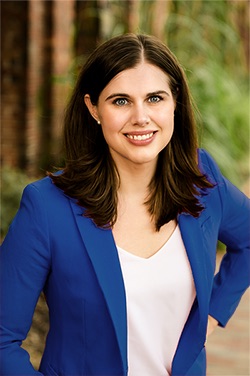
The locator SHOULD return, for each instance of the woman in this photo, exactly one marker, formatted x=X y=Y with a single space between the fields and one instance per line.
x=123 y=239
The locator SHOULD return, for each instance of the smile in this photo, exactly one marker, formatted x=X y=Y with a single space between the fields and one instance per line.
x=139 y=137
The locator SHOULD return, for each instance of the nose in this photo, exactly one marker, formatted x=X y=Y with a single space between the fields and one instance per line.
x=140 y=115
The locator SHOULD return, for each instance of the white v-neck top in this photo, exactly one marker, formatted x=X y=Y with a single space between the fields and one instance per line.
x=159 y=292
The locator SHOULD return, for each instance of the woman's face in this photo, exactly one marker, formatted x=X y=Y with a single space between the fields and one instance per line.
x=136 y=112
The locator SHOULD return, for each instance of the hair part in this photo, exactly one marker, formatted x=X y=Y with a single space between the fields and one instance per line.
x=90 y=174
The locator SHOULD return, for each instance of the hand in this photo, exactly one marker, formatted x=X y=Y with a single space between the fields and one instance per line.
x=211 y=325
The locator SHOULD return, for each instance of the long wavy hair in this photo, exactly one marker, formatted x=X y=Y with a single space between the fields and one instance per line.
x=90 y=175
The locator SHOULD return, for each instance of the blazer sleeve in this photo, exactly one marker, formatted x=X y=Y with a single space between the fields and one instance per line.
x=233 y=277
x=25 y=263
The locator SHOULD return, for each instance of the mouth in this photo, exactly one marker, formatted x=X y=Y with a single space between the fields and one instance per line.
x=140 y=136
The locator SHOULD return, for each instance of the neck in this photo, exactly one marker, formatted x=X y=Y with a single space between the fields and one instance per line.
x=134 y=180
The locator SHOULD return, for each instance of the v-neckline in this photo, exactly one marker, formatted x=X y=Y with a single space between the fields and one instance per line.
x=154 y=255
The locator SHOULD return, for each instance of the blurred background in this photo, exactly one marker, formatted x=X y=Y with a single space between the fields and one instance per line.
x=43 y=45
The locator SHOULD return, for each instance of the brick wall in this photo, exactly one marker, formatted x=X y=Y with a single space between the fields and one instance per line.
x=37 y=53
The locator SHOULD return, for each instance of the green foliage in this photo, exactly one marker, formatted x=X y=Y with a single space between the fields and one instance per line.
x=208 y=45
x=12 y=185
x=224 y=108
x=204 y=36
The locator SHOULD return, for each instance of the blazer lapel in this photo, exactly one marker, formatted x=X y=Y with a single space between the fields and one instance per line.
x=192 y=235
x=193 y=337
x=102 y=251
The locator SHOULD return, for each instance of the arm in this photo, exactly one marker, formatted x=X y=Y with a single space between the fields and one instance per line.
x=233 y=277
x=211 y=325
x=24 y=262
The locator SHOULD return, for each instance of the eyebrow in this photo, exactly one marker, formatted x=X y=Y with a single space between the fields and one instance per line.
x=124 y=95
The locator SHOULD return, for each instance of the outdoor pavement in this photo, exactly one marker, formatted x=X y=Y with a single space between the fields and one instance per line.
x=228 y=349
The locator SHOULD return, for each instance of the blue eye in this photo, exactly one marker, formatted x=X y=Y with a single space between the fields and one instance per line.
x=155 y=99
x=120 y=102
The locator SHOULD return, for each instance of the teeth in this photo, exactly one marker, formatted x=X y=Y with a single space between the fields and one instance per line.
x=140 y=137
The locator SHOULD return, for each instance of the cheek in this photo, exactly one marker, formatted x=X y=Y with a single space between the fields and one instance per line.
x=167 y=120
x=109 y=130
x=108 y=119
x=111 y=123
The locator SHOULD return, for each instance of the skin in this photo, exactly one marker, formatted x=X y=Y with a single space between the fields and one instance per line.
x=136 y=113
x=211 y=325
x=137 y=121
x=144 y=111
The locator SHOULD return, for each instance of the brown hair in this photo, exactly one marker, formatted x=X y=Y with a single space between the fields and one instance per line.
x=90 y=174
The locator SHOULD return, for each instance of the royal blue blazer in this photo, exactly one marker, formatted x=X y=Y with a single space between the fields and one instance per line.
x=51 y=246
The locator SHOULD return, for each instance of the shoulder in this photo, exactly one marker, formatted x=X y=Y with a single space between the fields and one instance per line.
x=209 y=167
x=232 y=199
x=45 y=204
x=41 y=184
x=44 y=186
x=37 y=189
x=45 y=192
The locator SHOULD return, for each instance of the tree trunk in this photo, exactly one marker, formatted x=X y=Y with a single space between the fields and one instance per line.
x=14 y=21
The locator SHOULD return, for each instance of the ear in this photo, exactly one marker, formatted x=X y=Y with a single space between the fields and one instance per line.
x=91 y=107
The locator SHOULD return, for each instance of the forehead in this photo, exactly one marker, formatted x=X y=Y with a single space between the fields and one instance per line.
x=143 y=77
